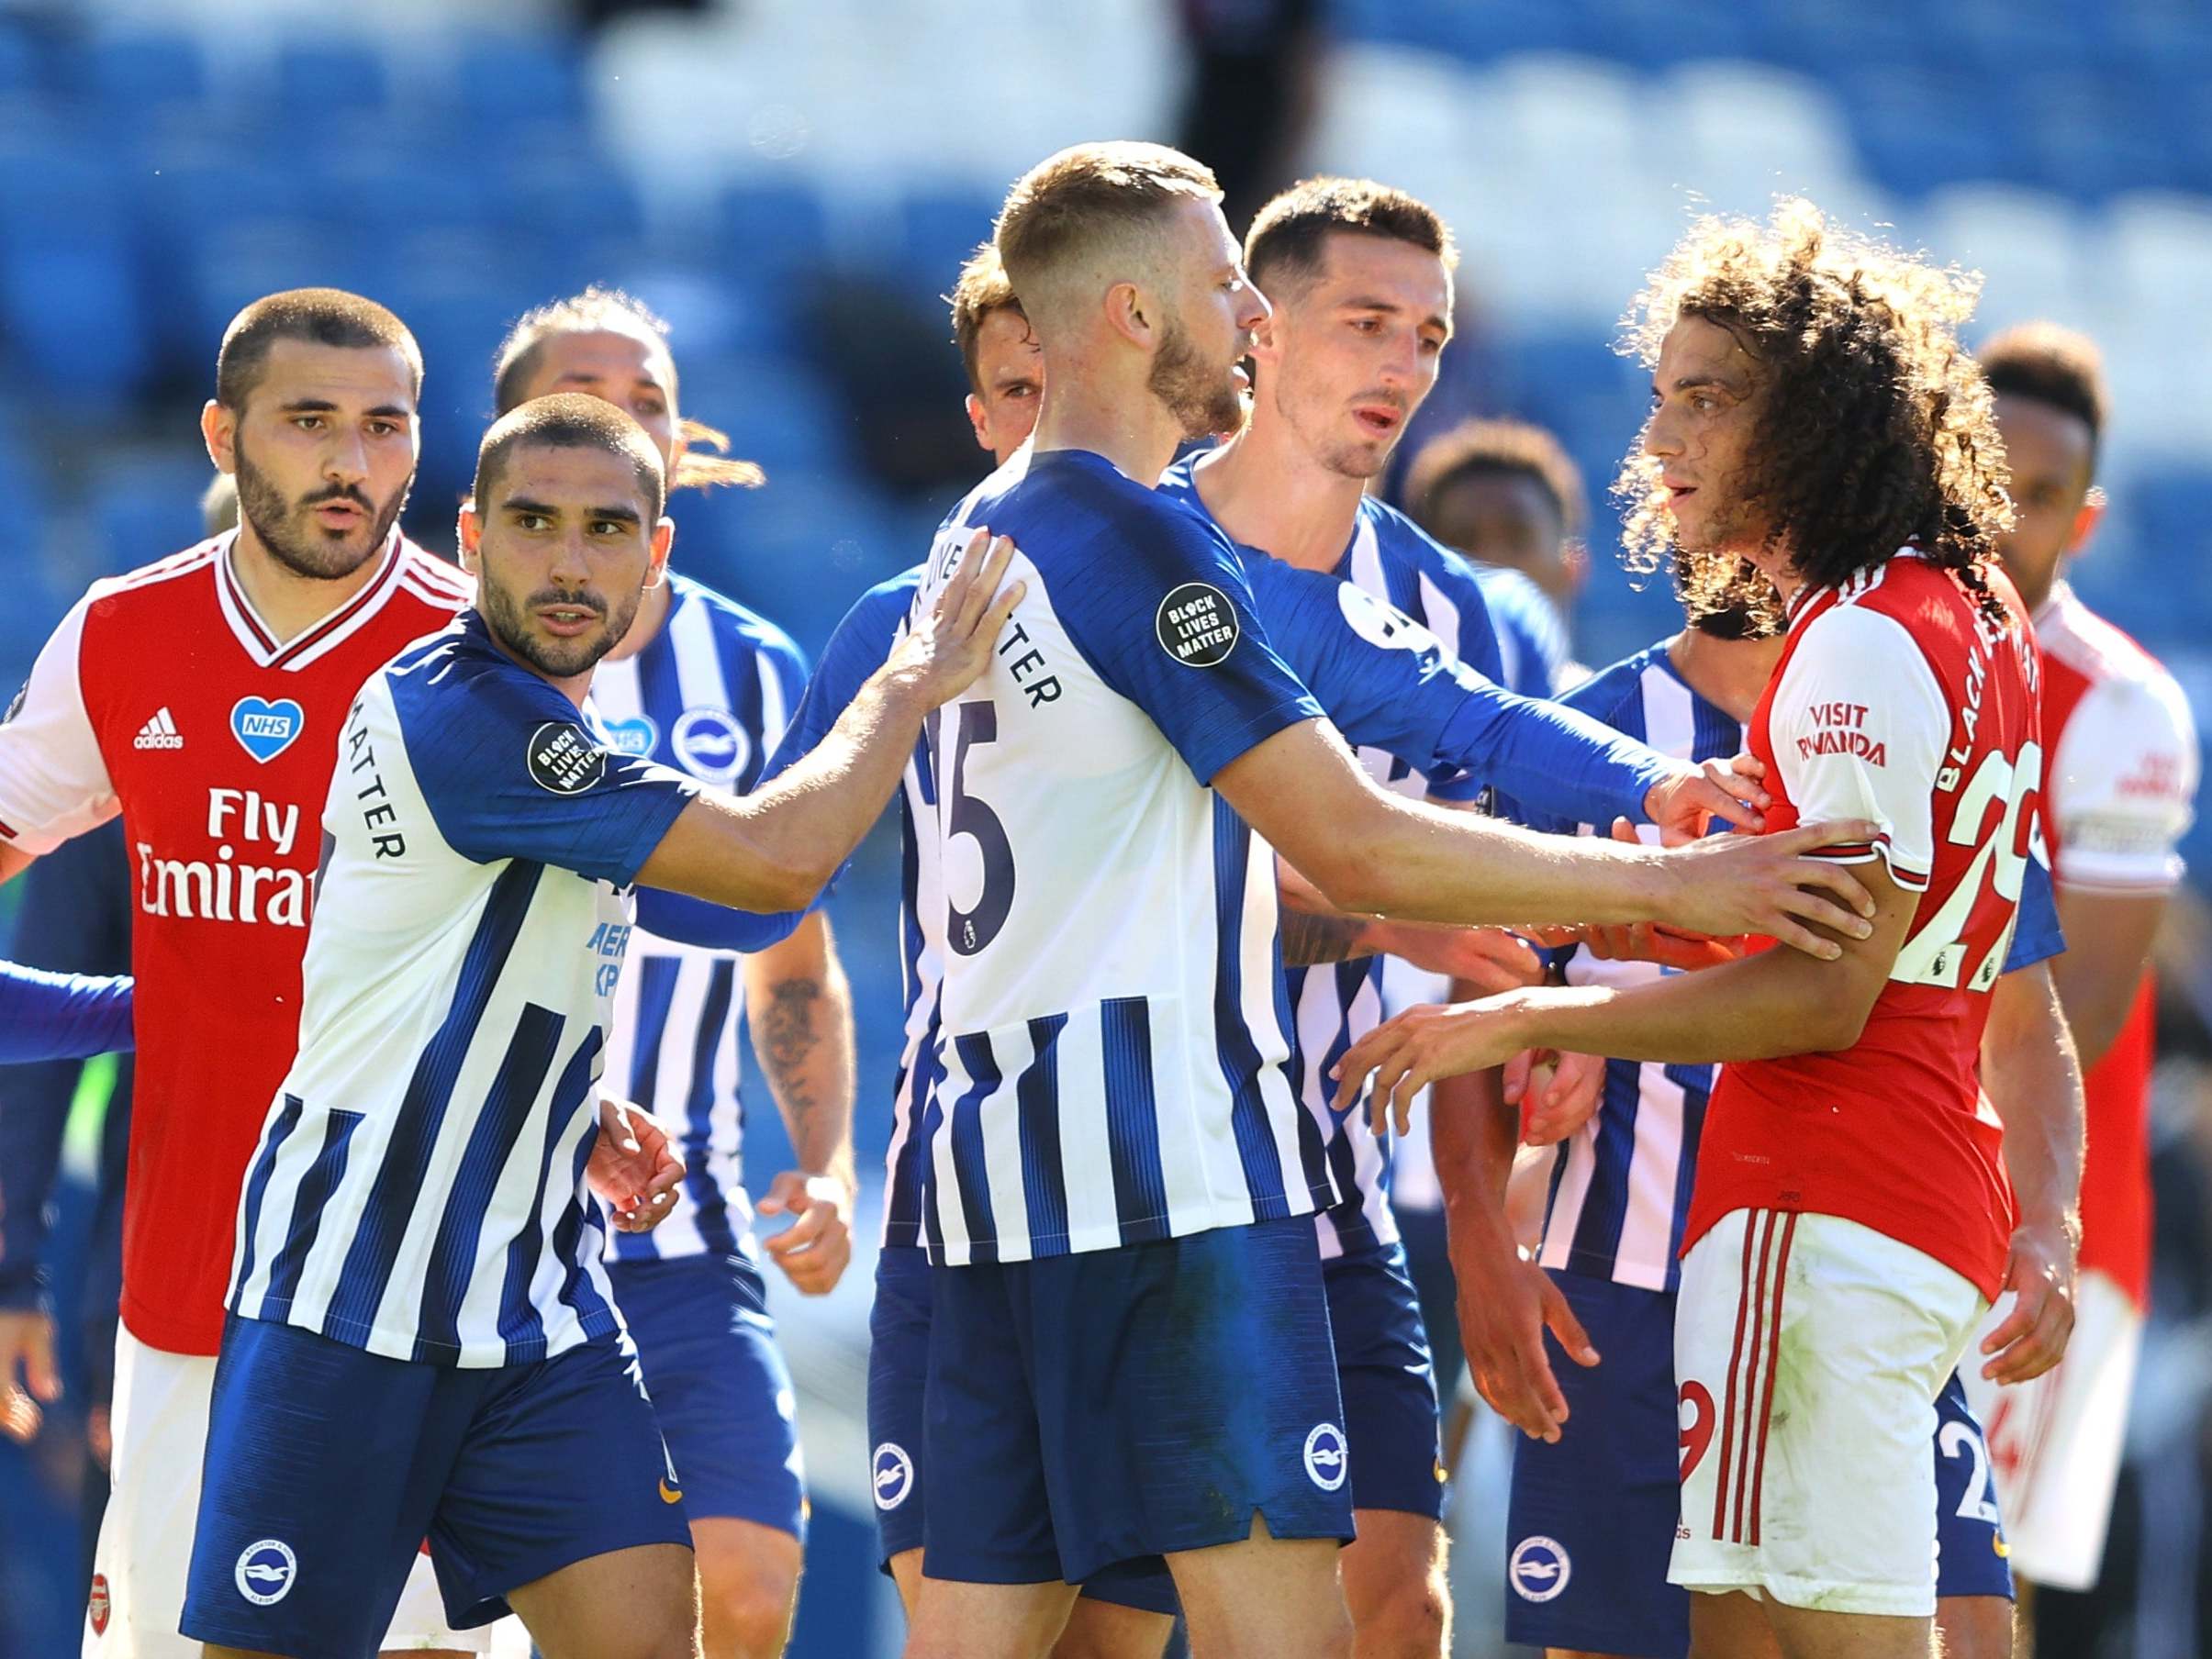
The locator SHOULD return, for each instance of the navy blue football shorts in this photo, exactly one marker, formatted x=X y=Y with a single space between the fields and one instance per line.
x=721 y=1390
x=1118 y=1404
x=1386 y=1381
x=327 y=1466
x=899 y=1348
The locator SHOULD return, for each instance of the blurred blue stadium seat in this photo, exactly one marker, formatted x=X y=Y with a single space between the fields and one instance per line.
x=509 y=79
x=2172 y=511
x=1914 y=133
x=127 y=74
x=56 y=181
x=74 y=318
x=573 y=199
x=314 y=78
x=772 y=231
x=394 y=190
x=776 y=411
x=935 y=232
x=146 y=506
x=253 y=257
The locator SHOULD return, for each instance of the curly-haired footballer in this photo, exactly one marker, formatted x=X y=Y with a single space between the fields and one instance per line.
x=1820 y=448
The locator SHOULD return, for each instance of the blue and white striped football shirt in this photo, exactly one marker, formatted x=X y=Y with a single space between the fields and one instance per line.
x=418 y=1189
x=1337 y=1004
x=1112 y=1062
x=1383 y=679
x=1620 y=1186
x=710 y=695
x=1532 y=640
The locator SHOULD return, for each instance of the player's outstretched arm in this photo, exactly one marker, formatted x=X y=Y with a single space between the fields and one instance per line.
x=2030 y=1069
x=1777 y=1002
x=1506 y=1301
x=1366 y=850
x=773 y=849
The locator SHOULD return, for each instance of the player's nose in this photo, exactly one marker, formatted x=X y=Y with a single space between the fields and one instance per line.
x=347 y=459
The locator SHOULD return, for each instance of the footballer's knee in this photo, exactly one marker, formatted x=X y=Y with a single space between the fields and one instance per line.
x=748 y=1587
x=1395 y=1587
x=1412 y=1619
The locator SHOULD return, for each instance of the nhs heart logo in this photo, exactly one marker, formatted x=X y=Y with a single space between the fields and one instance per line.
x=634 y=736
x=266 y=729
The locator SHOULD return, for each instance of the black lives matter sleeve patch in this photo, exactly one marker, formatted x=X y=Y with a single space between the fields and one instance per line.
x=1197 y=625
x=563 y=760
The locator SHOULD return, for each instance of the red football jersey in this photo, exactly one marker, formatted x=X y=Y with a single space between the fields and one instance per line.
x=1895 y=701
x=2122 y=778
x=163 y=696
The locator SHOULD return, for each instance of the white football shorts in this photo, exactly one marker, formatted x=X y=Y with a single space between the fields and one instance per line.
x=1808 y=1353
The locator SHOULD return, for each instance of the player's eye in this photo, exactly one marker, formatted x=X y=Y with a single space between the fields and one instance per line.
x=651 y=406
x=531 y=521
x=383 y=429
x=608 y=527
x=307 y=423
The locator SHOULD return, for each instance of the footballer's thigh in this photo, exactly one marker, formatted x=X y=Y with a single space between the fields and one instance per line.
x=633 y=1603
x=1263 y=1598
x=1108 y=1629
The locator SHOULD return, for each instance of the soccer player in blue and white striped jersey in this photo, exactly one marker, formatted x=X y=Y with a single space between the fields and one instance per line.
x=421 y=1340
x=705 y=685
x=1129 y=1349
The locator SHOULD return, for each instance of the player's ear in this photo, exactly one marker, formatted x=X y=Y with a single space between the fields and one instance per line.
x=469 y=531
x=2086 y=521
x=663 y=538
x=1132 y=314
x=979 y=419
x=218 y=428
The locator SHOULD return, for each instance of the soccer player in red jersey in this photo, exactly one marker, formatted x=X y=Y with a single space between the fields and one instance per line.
x=200 y=696
x=2121 y=773
x=1822 y=448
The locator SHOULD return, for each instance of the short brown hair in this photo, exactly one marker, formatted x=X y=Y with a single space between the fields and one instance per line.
x=1496 y=447
x=321 y=316
x=1285 y=245
x=1087 y=199
x=982 y=289
x=601 y=309
x=570 y=421
x=2048 y=364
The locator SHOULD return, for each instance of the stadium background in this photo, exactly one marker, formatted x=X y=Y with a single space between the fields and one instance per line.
x=793 y=182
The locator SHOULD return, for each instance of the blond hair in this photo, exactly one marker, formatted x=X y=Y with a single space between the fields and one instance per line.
x=1091 y=203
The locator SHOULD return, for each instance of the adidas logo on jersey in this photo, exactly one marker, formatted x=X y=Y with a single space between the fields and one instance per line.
x=159 y=732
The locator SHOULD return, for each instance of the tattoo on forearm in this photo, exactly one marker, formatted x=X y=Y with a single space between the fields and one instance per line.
x=1309 y=939
x=788 y=1037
